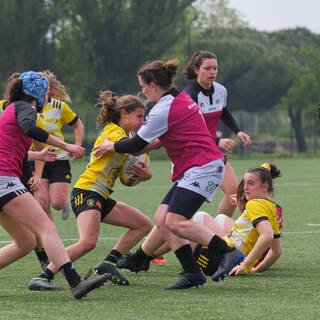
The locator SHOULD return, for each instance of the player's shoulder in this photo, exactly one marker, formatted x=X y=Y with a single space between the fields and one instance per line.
x=113 y=132
x=218 y=87
x=192 y=89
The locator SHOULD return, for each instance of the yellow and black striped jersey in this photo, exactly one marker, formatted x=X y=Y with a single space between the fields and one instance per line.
x=2 y=103
x=101 y=173
x=244 y=235
x=54 y=115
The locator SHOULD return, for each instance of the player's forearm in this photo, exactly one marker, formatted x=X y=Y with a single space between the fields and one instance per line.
x=259 y=248
x=78 y=131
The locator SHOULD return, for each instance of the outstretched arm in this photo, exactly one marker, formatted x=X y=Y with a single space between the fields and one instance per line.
x=272 y=256
x=264 y=241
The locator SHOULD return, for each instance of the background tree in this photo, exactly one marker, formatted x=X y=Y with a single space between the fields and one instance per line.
x=304 y=94
x=105 y=42
x=28 y=35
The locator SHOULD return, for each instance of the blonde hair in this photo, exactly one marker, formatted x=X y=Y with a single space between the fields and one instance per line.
x=56 y=88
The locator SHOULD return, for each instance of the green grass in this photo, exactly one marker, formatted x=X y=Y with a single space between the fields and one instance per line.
x=289 y=290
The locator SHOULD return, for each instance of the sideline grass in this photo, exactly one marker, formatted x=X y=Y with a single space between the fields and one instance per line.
x=289 y=290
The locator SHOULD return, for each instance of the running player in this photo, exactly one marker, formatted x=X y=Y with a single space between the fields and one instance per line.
x=20 y=214
x=90 y=196
x=56 y=176
x=176 y=123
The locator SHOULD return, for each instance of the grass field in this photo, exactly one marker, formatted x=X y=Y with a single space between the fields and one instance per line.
x=289 y=290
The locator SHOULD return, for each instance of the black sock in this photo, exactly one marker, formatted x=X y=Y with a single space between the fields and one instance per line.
x=70 y=274
x=186 y=258
x=218 y=245
x=113 y=256
x=141 y=255
x=41 y=255
x=46 y=274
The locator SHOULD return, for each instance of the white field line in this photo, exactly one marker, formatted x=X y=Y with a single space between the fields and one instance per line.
x=112 y=238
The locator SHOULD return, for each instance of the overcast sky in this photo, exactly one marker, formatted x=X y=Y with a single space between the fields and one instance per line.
x=272 y=15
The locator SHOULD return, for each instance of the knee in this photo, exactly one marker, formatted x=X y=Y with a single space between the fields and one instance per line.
x=199 y=217
x=26 y=246
x=174 y=225
x=147 y=226
x=87 y=245
x=59 y=204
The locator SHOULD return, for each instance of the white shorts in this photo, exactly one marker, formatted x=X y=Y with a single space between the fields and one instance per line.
x=204 y=180
x=10 y=188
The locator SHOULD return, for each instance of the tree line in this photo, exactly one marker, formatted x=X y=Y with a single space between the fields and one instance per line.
x=99 y=44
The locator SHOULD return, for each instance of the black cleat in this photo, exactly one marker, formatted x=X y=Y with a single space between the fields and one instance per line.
x=117 y=278
x=188 y=280
x=38 y=284
x=86 y=285
x=228 y=262
x=131 y=262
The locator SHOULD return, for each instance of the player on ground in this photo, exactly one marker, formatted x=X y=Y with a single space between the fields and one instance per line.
x=256 y=230
x=176 y=123
x=90 y=196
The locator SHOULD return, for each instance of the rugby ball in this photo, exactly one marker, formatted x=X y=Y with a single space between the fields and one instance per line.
x=125 y=175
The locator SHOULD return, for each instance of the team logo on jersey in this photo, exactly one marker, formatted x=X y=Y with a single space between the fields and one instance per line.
x=90 y=203
x=196 y=184
x=211 y=186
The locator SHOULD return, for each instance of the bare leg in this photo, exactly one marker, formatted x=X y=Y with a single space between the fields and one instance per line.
x=59 y=195
x=173 y=240
x=36 y=221
x=43 y=197
x=88 y=223
x=23 y=241
x=129 y=217
x=152 y=242
x=229 y=186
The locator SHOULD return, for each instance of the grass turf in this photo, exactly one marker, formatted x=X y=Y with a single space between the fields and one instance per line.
x=289 y=290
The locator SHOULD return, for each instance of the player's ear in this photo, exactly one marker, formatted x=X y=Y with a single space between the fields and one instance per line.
x=123 y=113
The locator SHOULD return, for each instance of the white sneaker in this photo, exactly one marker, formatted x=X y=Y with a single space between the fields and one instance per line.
x=65 y=212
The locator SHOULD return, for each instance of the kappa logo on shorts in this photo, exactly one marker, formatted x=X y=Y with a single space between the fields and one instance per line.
x=211 y=186
x=196 y=184
x=10 y=185
x=90 y=203
x=67 y=176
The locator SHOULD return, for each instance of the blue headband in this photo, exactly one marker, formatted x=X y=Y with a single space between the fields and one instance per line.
x=35 y=85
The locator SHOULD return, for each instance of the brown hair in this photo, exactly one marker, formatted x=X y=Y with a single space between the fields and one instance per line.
x=267 y=174
x=12 y=80
x=159 y=72
x=241 y=197
x=196 y=62
x=14 y=92
x=111 y=106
